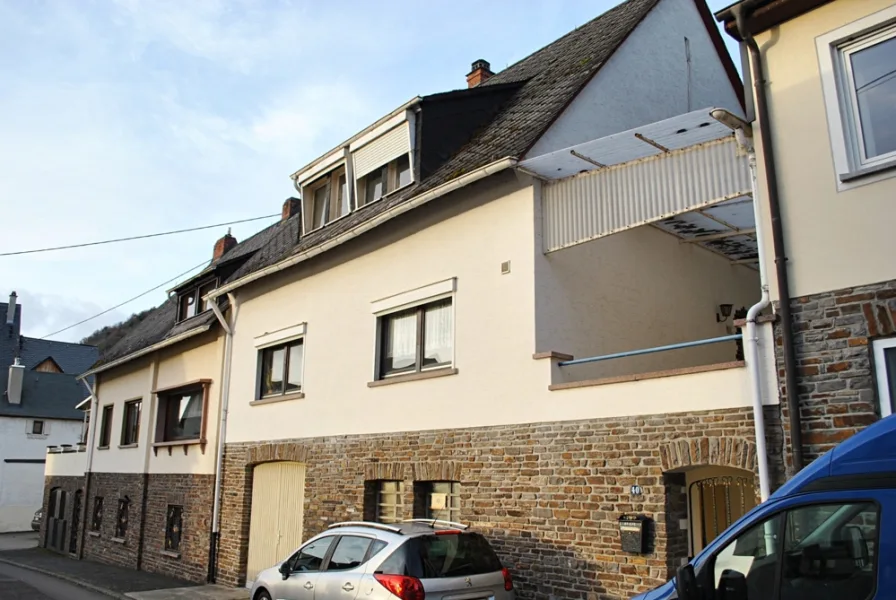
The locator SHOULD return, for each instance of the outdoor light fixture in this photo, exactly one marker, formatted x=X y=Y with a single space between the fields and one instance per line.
x=725 y=310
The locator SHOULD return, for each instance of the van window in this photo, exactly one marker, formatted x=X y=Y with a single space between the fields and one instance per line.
x=754 y=554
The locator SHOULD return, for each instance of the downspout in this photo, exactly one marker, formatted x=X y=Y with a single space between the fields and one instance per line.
x=91 y=434
x=222 y=432
x=783 y=278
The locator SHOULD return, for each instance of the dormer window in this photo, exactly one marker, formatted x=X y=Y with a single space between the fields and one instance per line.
x=329 y=198
x=190 y=302
x=385 y=180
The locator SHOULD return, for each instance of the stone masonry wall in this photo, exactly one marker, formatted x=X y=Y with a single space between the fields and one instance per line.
x=548 y=495
x=832 y=334
x=195 y=494
x=71 y=485
x=103 y=545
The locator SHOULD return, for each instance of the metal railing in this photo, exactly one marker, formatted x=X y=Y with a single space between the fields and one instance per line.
x=591 y=359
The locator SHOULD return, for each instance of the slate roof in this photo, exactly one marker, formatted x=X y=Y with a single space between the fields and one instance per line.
x=71 y=358
x=549 y=79
x=47 y=396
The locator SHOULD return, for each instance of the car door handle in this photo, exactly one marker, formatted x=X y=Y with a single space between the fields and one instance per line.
x=348 y=587
x=308 y=585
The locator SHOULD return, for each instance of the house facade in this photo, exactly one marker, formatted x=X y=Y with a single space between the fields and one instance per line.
x=827 y=154
x=37 y=408
x=513 y=305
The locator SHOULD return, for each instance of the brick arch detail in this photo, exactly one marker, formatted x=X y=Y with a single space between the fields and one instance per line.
x=285 y=451
x=739 y=453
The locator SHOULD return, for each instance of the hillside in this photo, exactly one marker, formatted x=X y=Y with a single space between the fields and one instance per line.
x=108 y=336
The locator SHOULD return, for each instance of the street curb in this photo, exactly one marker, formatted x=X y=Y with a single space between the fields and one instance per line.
x=67 y=579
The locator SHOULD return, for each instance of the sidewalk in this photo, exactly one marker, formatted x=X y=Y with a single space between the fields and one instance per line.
x=116 y=582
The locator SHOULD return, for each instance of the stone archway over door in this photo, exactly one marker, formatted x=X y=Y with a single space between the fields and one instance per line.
x=276 y=515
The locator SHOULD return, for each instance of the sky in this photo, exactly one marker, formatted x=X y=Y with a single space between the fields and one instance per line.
x=129 y=117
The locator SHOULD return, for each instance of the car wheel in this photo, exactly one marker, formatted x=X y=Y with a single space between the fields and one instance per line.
x=262 y=595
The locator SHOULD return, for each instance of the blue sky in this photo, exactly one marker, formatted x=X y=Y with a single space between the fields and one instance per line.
x=124 y=117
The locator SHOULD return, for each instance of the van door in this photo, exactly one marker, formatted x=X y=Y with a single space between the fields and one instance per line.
x=818 y=546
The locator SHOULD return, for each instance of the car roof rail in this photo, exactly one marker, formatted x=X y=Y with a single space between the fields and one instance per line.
x=439 y=522
x=371 y=524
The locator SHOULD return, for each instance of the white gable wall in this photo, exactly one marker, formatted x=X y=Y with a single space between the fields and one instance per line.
x=646 y=80
x=22 y=484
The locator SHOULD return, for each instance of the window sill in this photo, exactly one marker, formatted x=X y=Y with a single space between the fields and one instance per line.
x=868 y=171
x=102 y=447
x=275 y=399
x=191 y=317
x=170 y=554
x=125 y=446
x=118 y=540
x=413 y=377
x=201 y=442
x=95 y=534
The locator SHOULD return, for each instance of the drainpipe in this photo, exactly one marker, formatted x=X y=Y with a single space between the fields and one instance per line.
x=91 y=435
x=771 y=174
x=222 y=431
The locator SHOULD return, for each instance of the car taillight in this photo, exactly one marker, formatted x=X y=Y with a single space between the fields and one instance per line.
x=406 y=588
x=508 y=580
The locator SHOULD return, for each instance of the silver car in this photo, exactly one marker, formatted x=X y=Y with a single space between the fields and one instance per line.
x=414 y=560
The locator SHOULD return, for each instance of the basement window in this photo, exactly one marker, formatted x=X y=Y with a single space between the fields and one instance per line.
x=96 y=521
x=121 y=518
x=437 y=500
x=174 y=525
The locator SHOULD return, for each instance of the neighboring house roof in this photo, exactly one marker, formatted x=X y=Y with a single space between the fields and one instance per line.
x=73 y=359
x=46 y=396
x=532 y=93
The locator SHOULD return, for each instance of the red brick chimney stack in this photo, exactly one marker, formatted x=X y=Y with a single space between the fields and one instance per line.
x=223 y=245
x=290 y=207
x=480 y=72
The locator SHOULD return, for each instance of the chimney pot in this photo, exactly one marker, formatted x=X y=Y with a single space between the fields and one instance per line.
x=223 y=245
x=291 y=207
x=11 y=309
x=480 y=71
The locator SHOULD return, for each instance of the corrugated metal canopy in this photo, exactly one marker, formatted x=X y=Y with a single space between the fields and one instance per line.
x=676 y=133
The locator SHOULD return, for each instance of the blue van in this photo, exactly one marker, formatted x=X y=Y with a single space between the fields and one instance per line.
x=827 y=534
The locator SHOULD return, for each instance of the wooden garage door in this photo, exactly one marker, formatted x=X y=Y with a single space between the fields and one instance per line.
x=275 y=525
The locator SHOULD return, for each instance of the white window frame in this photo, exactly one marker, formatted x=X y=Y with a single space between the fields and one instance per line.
x=880 y=371
x=844 y=127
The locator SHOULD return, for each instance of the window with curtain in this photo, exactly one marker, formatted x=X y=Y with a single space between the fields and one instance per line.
x=417 y=339
x=182 y=412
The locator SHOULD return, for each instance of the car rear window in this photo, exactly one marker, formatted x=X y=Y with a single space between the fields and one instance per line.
x=445 y=555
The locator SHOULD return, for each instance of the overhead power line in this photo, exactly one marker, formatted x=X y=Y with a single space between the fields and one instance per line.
x=138 y=296
x=134 y=237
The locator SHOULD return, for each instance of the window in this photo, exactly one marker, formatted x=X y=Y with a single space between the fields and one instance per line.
x=96 y=521
x=174 y=526
x=437 y=500
x=181 y=415
x=823 y=551
x=121 y=519
x=329 y=198
x=281 y=369
x=885 y=371
x=389 y=501
x=386 y=179
x=311 y=557
x=859 y=83
x=349 y=553
x=130 y=425
x=443 y=555
x=37 y=427
x=190 y=303
x=416 y=339
x=106 y=427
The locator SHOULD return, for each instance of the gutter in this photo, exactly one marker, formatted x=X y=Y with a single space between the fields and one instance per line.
x=790 y=380
x=437 y=192
x=222 y=432
x=149 y=349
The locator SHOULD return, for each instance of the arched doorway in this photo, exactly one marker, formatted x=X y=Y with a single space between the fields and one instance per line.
x=276 y=515
x=717 y=497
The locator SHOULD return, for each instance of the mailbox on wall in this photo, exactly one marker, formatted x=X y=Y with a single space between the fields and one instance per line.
x=633 y=531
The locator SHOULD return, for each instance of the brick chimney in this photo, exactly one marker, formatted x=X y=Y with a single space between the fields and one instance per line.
x=480 y=72
x=223 y=245
x=291 y=207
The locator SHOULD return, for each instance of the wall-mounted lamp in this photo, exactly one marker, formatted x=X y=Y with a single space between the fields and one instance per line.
x=725 y=310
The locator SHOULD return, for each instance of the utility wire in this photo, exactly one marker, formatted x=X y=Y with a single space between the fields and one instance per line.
x=135 y=237
x=100 y=314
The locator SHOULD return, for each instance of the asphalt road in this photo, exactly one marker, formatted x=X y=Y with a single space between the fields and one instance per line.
x=21 y=584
